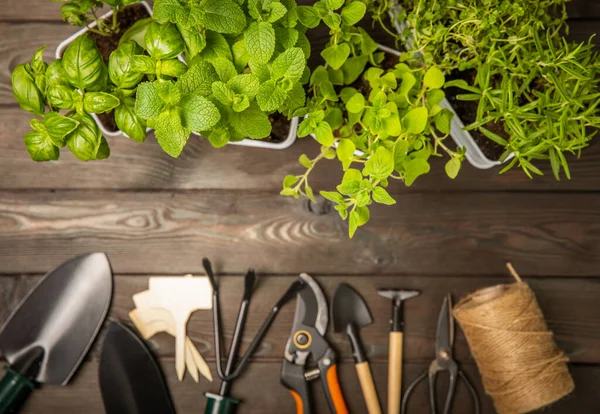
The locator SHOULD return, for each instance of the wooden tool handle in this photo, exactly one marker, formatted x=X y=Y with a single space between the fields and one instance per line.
x=395 y=373
x=368 y=387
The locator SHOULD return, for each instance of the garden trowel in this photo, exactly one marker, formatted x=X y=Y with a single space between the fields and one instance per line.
x=131 y=380
x=47 y=336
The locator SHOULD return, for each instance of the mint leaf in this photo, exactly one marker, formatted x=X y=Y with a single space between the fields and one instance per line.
x=225 y=68
x=216 y=46
x=198 y=113
x=290 y=64
x=308 y=16
x=336 y=55
x=218 y=137
x=198 y=79
x=246 y=84
x=148 y=104
x=286 y=37
x=240 y=55
x=434 y=78
x=252 y=123
x=380 y=165
x=415 y=121
x=274 y=11
x=166 y=10
x=222 y=93
x=260 y=41
x=223 y=16
x=304 y=44
x=353 y=13
x=382 y=197
x=270 y=96
x=415 y=168
x=261 y=70
x=40 y=146
x=171 y=135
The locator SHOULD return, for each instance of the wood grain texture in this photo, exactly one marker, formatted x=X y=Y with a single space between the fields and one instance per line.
x=429 y=234
x=82 y=395
x=570 y=306
x=145 y=166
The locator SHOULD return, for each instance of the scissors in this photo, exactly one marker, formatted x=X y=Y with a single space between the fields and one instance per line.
x=444 y=339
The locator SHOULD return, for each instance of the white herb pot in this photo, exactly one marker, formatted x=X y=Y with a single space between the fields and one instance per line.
x=246 y=142
x=462 y=138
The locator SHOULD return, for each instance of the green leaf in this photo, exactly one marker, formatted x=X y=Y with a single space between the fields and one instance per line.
x=252 y=123
x=26 y=92
x=128 y=122
x=286 y=37
x=245 y=84
x=443 y=121
x=380 y=165
x=333 y=4
x=223 y=16
x=345 y=152
x=218 y=137
x=103 y=151
x=356 y=103
x=163 y=41
x=289 y=181
x=171 y=67
x=120 y=69
x=84 y=142
x=148 y=104
x=166 y=10
x=198 y=113
x=290 y=65
x=270 y=96
x=308 y=16
x=223 y=93
x=40 y=146
x=415 y=121
x=143 y=65
x=99 y=102
x=305 y=161
x=408 y=81
x=332 y=20
x=353 y=13
x=137 y=31
x=349 y=188
x=61 y=96
x=225 y=68
x=354 y=67
x=216 y=46
x=434 y=97
x=198 y=79
x=391 y=124
x=323 y=134
x=358 y=217
x=336 y=55
x=333 y=196
x=334 y=117
x=260 y=41
x=382 y=197
x=352 y=174
x=171 y=135
x=304 y=128
x=304 y=44
x=274 y=11
x=434 y=78
x=83 y=64
x=55 y=74
x=194 y=41
x=58 y=127
x=452 y=167
x=415 y=168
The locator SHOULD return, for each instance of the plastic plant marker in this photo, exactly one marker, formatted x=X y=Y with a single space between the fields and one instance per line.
x=181 y=296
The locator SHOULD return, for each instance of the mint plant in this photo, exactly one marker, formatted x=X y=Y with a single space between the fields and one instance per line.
x=75 y=84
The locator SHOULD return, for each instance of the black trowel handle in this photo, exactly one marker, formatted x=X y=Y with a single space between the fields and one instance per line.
x=14 y=390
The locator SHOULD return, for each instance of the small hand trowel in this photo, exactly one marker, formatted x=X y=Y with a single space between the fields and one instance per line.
x=131 y=380
x=47 y=336
x=349 y=313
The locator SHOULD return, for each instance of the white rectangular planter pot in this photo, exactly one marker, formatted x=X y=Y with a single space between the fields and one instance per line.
x=291 y=137
x=462 y=138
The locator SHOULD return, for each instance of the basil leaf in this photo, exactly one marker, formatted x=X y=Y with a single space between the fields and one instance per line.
x=103 y=151
x=143 y=64
x=128 y=122
x=84 y=142
x=136 y=32
x=171 y=67
x=83 y=64
x=120 y=68
x=26 y=92
x=163 y=41
x=61 y=96
x=59 y=126
x=99 y=102
x=55 y=74
x=40 y=146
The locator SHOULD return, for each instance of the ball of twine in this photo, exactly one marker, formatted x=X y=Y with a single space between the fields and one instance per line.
x=521 y=366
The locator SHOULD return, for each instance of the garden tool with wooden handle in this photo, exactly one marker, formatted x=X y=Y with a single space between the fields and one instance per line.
x=395 y=345
x=349 y=313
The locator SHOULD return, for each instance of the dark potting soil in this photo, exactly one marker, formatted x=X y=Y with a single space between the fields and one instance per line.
x=108 y=121
x=280 y=130
x=467 y=112
x=125 y=18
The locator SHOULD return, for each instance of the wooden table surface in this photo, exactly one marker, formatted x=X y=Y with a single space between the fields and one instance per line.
x=155 y=215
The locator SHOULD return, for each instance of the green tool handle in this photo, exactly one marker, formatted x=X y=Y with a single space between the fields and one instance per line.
x=219 y=404
x=14 y=390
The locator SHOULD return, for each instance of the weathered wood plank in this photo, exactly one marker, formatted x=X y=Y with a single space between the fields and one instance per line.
x=451 y=233
x=570 y=306
x=583 y=9
x=145 y=166
x=82 y=395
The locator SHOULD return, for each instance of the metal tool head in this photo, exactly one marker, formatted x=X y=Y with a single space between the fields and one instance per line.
x=348 y=307
x=130 y=378
x=444 y=336
x=398 y=295
x=61 y=315
x=311 y=306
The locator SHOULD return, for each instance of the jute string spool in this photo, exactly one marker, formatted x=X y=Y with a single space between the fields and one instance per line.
x=520 y=364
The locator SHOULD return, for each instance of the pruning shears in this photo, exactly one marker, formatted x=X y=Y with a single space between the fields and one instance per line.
x=308 y=338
